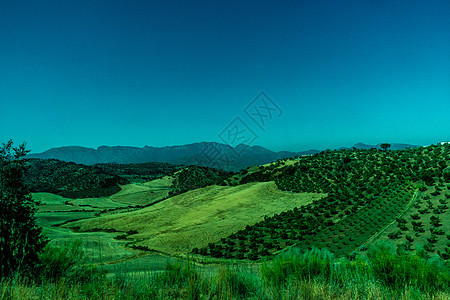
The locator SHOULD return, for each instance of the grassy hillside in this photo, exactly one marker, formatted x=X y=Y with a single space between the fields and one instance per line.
x=143 y=194
x=424 y=225
x=100 y=247
x=366 y=191
x=198 y=217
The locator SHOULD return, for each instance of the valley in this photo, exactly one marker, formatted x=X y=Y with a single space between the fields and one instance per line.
x=117 y=229
x=148 y=219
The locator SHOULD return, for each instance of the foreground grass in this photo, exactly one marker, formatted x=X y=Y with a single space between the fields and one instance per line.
x=384 y=274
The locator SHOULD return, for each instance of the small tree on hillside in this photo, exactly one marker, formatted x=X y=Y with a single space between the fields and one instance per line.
x=385 y=146
x=20 y=238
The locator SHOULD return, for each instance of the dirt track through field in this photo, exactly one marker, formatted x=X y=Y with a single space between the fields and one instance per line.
x=373 y=237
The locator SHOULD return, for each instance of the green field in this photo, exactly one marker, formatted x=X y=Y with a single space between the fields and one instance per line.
x=198 y=217
x=101 y=248
x=173 y=226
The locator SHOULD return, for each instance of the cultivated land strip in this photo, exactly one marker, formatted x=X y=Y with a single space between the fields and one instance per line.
x=373 y=237
x=198 y=217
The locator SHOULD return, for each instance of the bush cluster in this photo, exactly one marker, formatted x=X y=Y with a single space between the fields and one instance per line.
x=194 y=177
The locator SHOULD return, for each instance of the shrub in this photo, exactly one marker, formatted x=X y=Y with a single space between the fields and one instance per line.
x=395 y=235
x=435 y=221
x=179 y=280
x=415 y=217
x=312 y=263
x=66 y=261
x=398 y=271
x=237 y=283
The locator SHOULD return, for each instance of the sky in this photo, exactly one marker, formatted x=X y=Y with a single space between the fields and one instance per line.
x=285 y=75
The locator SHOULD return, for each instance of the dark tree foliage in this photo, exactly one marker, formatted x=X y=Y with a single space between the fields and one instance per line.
x=71 y=180
x=21 y=239
x=194 y=177
x=385 y=146
x=446 y=173
x=150 y=170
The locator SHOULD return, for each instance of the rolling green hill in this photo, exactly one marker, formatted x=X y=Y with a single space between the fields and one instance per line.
x=366 y=195
x=367 y=190
x=265 y=218
x=198 y=217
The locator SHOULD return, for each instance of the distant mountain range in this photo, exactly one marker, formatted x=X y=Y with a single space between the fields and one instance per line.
x=209 y=154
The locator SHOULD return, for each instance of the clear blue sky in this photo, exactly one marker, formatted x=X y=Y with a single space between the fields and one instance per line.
x=160 y=73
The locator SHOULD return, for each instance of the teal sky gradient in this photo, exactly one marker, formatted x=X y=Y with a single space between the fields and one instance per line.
x=160 y=73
